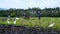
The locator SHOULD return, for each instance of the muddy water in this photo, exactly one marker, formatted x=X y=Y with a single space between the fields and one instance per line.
x=12 y=29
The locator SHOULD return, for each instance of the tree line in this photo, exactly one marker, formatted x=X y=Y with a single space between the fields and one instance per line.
x=47 y=12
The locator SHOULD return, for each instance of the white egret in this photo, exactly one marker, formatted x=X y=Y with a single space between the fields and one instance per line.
x=15 y=21
x=17 y=18
x=8 y=21
x=51 y=25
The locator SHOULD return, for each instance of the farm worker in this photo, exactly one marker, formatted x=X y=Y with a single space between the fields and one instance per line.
x=39 y=15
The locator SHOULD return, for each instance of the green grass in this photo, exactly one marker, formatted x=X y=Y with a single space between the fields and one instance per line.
x=35 y=22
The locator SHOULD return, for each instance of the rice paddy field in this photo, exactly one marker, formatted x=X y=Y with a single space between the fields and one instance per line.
x=34 y=22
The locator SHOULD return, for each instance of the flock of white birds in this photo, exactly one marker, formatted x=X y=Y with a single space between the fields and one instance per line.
x=8 y=21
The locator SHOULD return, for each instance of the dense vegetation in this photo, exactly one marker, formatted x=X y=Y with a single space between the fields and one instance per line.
x=47 y=12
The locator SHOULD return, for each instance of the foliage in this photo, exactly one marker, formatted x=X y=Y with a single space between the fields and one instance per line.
x=47 y=12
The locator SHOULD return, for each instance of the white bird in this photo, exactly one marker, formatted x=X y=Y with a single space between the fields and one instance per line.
x=14 y=21
x=8 y=21
x=51 y=25
x=17 y=18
